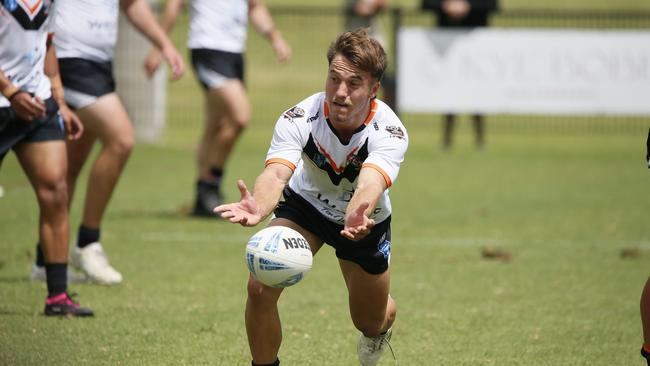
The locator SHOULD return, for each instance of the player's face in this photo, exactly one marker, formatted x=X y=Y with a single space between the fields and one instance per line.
x=348 y=92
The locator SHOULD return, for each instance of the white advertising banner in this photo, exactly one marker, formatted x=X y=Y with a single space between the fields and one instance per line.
x=524 y=71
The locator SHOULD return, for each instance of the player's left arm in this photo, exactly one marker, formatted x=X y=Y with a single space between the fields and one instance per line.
x=370 y=186
x=73 y=126
x=140 y=15
x=261 y=19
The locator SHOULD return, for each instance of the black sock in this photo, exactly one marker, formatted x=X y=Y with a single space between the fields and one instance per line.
x=87 y=236
x=40 y=258
x=57 y=278
x=216 y=173
x=276 y=363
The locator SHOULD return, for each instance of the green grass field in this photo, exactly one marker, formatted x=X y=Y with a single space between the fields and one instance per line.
x=565 y=202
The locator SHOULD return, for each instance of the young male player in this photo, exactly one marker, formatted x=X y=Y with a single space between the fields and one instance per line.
x=333 y=157
x=33 y=122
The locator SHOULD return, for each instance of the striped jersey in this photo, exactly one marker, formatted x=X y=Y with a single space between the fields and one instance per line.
x=218 y=25
x=326 y=169
x=24 y=26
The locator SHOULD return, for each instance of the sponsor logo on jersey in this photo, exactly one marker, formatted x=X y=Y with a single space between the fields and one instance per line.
x=314 y=117
x=295 y=112
x=395 y=131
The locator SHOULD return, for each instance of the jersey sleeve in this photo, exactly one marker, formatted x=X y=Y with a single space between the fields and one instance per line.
x=386 y=151
x=287 y=142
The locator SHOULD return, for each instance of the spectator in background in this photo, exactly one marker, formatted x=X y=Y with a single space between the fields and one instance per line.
x=217 y=38
x=86 y=34
x=461 y=14
x=364 y=14
x=33 y=122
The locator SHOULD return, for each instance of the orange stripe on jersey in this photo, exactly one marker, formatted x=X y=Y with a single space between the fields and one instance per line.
x=284 y=162
x=32 y=9
x=371 y=114
x=381 y=171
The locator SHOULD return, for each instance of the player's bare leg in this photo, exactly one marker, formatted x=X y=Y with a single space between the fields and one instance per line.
x=108 y=121
x=228 y=112
x=45 y=165
x=262 y=318
x=448 y=131
x=105 y=120
x=479 y=130
x=372 y=309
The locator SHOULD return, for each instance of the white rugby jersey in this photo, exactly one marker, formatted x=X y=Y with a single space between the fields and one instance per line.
x=24 y=25
x=86 y=29
x=325 y=169
x=218 y=25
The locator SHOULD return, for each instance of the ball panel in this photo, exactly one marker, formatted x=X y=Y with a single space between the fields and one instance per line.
x=278 y=256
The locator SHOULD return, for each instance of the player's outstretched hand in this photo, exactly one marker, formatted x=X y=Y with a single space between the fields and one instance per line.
x=357 y=224
x=245 y=212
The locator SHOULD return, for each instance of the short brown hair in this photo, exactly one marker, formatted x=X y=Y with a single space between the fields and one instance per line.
x=361 y=50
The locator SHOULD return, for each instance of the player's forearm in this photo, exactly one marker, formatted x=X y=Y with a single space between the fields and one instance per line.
x=262 y=21
x=170 y=14
x=51 y=69
x=140 y=15
x=268 y=188
x=7 y=87
x=370 y=187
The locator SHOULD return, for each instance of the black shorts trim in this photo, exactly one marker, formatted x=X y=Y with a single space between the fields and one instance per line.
x=14 y=130
x=372 y=253
x=87 y=77
x=213 y=66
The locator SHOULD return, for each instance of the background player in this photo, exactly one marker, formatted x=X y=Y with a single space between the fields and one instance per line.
x=86 y=34
x=217 y=38
x=34 y=126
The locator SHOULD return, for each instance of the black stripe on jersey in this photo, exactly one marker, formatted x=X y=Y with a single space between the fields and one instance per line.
x=352 y=166
x=25 y=21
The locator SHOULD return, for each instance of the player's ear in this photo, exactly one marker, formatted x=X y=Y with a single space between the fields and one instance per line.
x=374 y=89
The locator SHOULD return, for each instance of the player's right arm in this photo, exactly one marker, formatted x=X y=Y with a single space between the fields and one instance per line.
x=167 y=21
x=254 y=208
x=26 y=107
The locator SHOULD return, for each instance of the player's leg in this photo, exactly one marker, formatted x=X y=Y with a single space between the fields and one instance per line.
x=262 y=318
x=45 y=165
x=448 y=131
x=645 y=320
x=228 y=112
x=372 y=309
x=479 y=130
x=106 y=120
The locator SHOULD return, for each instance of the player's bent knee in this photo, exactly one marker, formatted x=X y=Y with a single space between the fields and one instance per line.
x=122 y=146
x=261 y=294
x=53 y=194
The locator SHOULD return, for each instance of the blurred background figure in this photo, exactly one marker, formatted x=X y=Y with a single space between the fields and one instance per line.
x=461 y=14
x=34 y=122
x=217 y=39
x=365 y=14
x=86 y=35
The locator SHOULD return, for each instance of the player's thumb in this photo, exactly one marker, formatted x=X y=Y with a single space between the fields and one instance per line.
x=243 y=190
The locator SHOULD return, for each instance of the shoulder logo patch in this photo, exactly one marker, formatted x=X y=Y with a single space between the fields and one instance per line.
x=395 y=131
x=295 y=112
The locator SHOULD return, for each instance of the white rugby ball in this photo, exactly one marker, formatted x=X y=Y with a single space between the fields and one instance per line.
x=278 y=256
